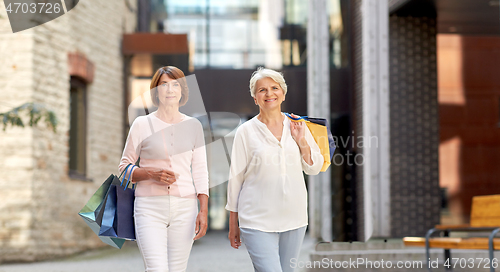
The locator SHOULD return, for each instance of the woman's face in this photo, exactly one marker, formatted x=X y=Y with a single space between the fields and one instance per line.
x=268 y=94
x=169 y=91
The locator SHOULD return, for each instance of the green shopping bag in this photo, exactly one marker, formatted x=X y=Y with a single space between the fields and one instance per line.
x=92 y=210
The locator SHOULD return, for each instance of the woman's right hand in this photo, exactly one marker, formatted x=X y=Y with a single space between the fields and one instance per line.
x=234 y=236
x=162 y=175
x=234 y=230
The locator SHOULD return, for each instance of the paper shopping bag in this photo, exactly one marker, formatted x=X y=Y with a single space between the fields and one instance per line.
x=322 y=135
x=118 y=215
x=93 y=207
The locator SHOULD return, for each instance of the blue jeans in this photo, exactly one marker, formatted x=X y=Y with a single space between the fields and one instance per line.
x=273 y=251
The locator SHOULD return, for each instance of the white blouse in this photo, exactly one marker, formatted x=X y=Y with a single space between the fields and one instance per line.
x=266 y=185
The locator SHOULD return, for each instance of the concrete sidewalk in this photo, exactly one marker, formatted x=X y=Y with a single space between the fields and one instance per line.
x=210 y=254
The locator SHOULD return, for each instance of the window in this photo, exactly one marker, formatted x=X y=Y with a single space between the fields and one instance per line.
x=78 y=129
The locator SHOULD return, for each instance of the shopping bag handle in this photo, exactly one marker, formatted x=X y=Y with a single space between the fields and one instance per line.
x=128 y=179
x=124 y=171
x=295 y=119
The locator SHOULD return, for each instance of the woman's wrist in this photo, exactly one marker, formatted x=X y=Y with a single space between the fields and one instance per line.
x=233 y=226
x=303 y=145
x=233 y=219
x=203 y=199
x=203 y=212
x=137 y=174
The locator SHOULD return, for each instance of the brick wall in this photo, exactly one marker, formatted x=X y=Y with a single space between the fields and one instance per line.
x=16 y=152
x=40 y=202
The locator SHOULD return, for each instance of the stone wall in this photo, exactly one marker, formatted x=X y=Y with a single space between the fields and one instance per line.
x=40 y=202
x=415 y=199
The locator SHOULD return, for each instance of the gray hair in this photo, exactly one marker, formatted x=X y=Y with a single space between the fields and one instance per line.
x=263 y=73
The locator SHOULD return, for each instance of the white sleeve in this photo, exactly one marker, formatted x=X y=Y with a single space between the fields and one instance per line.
x=132 y=149
x=199 y=162
x=237 y=171
x=316 y=156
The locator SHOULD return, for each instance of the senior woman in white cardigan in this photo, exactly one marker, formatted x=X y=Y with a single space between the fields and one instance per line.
x=266 y=191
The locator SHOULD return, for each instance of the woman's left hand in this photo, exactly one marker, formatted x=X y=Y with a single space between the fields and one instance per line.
x=297 y=129
x=201 y=225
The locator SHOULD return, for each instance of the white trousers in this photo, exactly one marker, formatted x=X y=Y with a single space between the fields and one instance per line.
x=164 y=227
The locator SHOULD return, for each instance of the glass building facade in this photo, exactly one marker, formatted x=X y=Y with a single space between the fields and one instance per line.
x=244 y=34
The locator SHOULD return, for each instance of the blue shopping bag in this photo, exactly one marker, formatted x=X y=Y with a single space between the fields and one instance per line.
x=118 y=215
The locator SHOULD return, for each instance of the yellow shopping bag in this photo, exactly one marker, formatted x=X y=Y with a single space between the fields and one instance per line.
x=322 y=136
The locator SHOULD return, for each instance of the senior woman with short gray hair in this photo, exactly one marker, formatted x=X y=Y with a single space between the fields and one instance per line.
x=266 y=191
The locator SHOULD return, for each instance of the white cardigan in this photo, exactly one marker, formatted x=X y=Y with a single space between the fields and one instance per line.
x=266 y=185
x=177 y=147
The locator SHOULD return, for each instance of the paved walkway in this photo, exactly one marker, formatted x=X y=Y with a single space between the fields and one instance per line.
x=210 y=254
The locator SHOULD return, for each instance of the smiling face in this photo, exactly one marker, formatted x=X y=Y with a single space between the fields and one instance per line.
x=268 y=94
x=169 y=91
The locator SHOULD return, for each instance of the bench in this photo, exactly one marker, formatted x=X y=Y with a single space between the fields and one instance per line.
x=485 y=217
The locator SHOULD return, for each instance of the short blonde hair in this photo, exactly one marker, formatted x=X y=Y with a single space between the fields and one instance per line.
x=263 y=73
x=173 y=73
